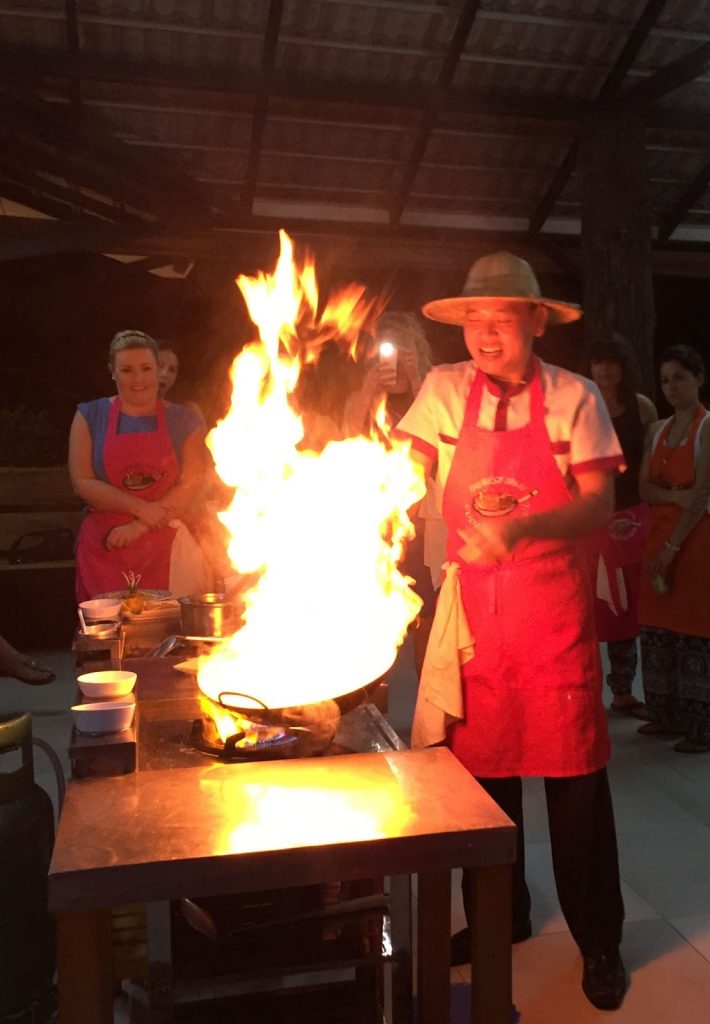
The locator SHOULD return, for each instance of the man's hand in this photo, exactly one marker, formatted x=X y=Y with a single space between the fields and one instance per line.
x=488 y=542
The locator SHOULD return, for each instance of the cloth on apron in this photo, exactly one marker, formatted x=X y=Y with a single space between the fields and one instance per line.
x=450 y=645
x=685 y=609
x=616 y=556
x=145 y=465
x=532 y=692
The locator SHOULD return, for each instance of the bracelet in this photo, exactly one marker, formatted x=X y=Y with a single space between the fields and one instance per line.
x=671 y=546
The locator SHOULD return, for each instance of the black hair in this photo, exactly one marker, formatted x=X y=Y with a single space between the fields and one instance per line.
x=689 y=358
x=617 y=349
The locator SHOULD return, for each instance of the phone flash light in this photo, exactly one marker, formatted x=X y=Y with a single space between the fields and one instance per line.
x=386 y=349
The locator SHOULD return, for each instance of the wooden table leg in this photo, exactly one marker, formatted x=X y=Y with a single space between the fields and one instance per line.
x=160 y=963
x=491 y=985
x=84 y=972
x=401 y=918
x=433 y=945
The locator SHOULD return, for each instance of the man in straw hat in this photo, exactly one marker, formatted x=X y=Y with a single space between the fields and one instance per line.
x=526 y=453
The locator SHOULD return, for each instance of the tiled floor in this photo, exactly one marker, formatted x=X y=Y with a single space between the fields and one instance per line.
x=662 y=802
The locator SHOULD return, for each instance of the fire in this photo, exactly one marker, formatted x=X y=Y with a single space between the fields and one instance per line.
x=323 y=532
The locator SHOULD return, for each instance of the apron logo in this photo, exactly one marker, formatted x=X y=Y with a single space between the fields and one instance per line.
x=140 y=478
x=496 y=496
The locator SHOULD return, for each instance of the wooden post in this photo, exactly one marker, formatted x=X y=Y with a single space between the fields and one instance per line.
x=616 y=236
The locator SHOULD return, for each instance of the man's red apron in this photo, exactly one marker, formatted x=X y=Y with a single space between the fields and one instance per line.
x=532 y=692
x=144 y=465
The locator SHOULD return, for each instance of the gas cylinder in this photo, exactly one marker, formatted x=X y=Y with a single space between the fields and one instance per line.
x=26 y=839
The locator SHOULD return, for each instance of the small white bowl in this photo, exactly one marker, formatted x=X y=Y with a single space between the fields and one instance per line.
x=98 y=719
x=110 y=683
x=101 y=609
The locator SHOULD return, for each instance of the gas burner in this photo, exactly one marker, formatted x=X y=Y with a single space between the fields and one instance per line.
x=255 y=742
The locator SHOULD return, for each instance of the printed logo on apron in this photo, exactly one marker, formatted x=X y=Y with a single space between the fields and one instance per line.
x=497 y=496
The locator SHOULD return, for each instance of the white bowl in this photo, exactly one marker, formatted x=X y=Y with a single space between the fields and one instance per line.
x=101 y=609
x=97 y=719
x=110 y=683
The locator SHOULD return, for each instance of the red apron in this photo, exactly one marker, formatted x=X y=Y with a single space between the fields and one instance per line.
x=617 y=550
x=532 y=692
x=143 y=464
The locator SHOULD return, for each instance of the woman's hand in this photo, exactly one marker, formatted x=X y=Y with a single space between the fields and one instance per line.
x=124 y=536
x=152 y=514
x=661 y=562
x=408 y=364
x=684 y=498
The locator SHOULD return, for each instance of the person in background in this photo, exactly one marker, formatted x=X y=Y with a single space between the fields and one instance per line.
x=19 y=666
x=525 y=453
x=674 y=610
x=397 y=377
x=168 y=369
x=138 y=462
x=617 y=549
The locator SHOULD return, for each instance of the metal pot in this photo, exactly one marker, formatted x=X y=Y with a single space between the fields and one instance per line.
x=209 y=615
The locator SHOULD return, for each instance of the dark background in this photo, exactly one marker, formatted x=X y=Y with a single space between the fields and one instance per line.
x=60 y=312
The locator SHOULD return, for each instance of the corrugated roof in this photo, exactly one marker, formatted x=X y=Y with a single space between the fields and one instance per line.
x=369 y=105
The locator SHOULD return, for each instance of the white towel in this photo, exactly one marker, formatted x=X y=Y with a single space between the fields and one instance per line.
x=440 y=697
x=619 y=602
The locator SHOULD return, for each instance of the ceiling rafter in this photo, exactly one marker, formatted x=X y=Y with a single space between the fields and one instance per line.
x=691 y=194
x=435 y=103
x=86 y=143
x=71 y=17
x=43 y=64
x=261 y=102
x=48 y=192
x=669 y=78
x=635 y=40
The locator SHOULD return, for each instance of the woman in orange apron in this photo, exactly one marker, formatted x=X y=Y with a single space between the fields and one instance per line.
x=675 y=635
x=137 y=464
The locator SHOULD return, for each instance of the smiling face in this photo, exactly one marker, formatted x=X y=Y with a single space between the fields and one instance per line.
x=135 y=371
x=499 y=335
x=680 y=387
x=168 y=366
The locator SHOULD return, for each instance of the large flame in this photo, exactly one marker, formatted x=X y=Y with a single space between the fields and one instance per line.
x=323 y=532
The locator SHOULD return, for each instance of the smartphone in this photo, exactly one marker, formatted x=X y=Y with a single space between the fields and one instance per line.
x=388 y=362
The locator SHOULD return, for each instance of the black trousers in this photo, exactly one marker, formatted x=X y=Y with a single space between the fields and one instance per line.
x=584 y=856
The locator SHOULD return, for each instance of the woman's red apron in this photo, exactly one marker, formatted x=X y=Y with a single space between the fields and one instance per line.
x=616 y=557
x=532 y=692
x=685 y=609
x=144 y=465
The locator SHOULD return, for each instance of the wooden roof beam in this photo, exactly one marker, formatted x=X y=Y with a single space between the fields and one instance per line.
x=435 y=103
x=673 y=216
x=261 y=102
x=637 y=37
x=71 y=17
x=680 y=72
x=28 y=62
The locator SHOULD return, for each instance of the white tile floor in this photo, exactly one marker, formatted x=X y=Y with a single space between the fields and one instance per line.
x=662 y=802
x=662 y=805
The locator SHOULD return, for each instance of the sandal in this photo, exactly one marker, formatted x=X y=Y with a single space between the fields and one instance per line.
x=636 y=710
x=651 y=729
x=32 y=674
x=688 y=747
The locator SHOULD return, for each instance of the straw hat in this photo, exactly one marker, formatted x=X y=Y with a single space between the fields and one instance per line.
x=500 y=276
